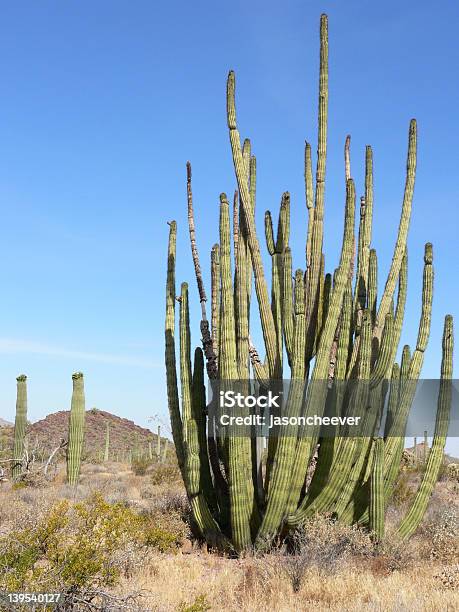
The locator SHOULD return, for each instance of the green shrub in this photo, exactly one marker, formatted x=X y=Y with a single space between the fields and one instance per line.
x=403 y=491
x=73 y=548
x=165 y=474
x=140 y=465
x=200 y=604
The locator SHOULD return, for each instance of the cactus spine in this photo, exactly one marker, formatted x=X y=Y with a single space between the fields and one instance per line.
x=20 y=425
x=341 y=344
x=76 y=430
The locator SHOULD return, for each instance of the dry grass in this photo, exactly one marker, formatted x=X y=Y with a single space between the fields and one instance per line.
x=323 y=574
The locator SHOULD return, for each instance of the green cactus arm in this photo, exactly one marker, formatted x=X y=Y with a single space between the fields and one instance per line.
x=320 y=295
x=342 y=350
x=283 y=226
x=199 y=475
x=192 y=468
x=392 y=449
x=278 y=484
x=235 y=227
x=261 y=288
x=185 y=361
x=400 y=244
x=246 y=153
x=324 y=302
x=269 y=234
x=241 y=305
x=401 y=301
x=414 y=516
x=323 y=499
x=312 y=290
x=253 y=197
x=276 y=304
x=377 y=491
x=385 y=354
x=309 y=192
x=392 y=403
x=76 y=430
x=405 y=362
x=329 y=445
x=361 y=279
x=347 y=158
x=315 y=399
x=365 y=231
x=20 y=426
x=253 y=182
x=170 y=358
x=287 y=304
x=364 y=406
x=388 y=350
x=237 y=456
x=372 y=283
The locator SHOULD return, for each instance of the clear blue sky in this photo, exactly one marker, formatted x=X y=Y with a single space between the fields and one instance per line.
x=102 y=104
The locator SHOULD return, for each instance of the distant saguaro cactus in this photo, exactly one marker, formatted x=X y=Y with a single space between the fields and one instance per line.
x=107 y=442
x=20 y=425
x=76 y=430
x=158 y=443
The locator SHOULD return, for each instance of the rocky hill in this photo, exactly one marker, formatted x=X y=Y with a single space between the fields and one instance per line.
x=125 y=435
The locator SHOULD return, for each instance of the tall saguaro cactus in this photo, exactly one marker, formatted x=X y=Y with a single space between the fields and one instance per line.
x=20 y=425
x=341 y=341
x=76 y=430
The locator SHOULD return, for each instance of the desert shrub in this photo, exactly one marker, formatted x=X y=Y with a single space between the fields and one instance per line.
x=442 y=531
x=81 y=548
x=452 y=471
x=170 y=501
x=449 y=577
x=147 y=491
x=165 y=531
x=403 y=491
x=164 y=473
x=140 y=465
x=319 y=543
x=33 y=479
x=200 y=604
x=393 y=554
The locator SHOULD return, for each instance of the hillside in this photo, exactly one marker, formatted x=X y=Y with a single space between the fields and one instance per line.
x=125 y=435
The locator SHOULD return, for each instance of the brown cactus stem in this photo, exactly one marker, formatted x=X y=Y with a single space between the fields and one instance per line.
x=205 y=331
x=215 y=304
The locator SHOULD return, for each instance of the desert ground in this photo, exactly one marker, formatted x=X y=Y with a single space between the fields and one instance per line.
x=123 y=540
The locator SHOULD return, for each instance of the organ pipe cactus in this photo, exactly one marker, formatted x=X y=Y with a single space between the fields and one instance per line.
x=76 y=430
x=20 y=425
x=340 y=335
